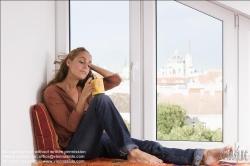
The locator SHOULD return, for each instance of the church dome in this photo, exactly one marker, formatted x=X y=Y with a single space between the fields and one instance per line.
x=176 y=58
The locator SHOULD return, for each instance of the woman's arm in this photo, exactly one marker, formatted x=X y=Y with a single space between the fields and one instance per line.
x=110 y=79
x=103 y=72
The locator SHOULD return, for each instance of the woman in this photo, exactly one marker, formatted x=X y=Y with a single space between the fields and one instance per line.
x=79 y=119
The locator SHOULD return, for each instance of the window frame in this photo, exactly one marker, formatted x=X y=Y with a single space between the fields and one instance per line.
x=62 y=29
x=230 y=80
x=142 y=36
x=243 y=49
x=136 y=84
x=63 y=46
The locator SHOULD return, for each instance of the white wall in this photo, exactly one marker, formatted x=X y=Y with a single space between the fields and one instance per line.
x=27 y=52
x=242 y=6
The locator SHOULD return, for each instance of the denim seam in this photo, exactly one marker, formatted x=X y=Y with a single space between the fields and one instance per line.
x=127 y=147
x=198 y=155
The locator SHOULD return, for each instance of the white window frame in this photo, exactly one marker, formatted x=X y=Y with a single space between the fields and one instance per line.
x=244 y=83
x=143 y=58
x=62 y=46
x=62 y=28
x=136 y=91
x=230 y=65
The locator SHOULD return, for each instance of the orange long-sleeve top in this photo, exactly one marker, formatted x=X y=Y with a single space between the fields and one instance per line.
x=62 y=108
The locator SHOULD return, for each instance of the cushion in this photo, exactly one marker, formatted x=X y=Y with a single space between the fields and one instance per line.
x=45 y=135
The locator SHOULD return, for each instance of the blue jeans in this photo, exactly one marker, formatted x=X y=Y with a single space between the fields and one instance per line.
x=90 y=142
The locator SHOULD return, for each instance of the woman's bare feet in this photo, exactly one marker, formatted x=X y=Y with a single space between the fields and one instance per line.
x=212 y=155
x=136 y=155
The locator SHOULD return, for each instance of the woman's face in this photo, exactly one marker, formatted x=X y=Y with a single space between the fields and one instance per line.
x=79 y=66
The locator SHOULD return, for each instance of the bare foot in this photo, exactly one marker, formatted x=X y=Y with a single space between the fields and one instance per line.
x=137 y=155
x=212 y=155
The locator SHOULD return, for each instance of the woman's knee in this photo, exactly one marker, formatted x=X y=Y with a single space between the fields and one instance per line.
x=101 y=97
x=102 y=100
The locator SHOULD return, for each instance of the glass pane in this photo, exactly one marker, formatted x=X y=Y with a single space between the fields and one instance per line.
x=102 y=27
x=189 y=74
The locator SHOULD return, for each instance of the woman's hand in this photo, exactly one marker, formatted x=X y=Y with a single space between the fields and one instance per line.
x=103 y=72
x=87 y=89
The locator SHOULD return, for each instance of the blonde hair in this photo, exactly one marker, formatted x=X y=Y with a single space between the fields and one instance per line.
x=62 y=72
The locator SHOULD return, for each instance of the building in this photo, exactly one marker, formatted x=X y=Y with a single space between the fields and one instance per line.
x=177 y=66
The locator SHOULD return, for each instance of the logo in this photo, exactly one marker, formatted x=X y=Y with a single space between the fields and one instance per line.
x=235 y=155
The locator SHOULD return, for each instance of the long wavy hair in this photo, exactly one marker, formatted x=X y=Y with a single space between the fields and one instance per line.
x=62 y=72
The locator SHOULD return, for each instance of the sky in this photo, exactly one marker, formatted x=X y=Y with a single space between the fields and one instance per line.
x=102 y=27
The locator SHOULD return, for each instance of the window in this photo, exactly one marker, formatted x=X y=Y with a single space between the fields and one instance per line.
x=192 y=43
x=143 y=61
x=105 y=35
x=172 y=48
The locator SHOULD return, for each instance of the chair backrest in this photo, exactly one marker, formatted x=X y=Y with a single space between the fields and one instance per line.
x=45 y=135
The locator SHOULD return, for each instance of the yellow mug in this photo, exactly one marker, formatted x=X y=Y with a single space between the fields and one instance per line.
x=99 y=87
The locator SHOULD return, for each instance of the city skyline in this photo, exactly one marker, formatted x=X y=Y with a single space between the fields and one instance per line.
x=106 y=35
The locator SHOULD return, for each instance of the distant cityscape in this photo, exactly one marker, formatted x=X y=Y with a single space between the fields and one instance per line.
x=199 y=92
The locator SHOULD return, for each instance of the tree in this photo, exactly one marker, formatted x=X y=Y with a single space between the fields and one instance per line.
x=171 y=125
x=197 y=133
x=127 y=124
x=169 y=117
